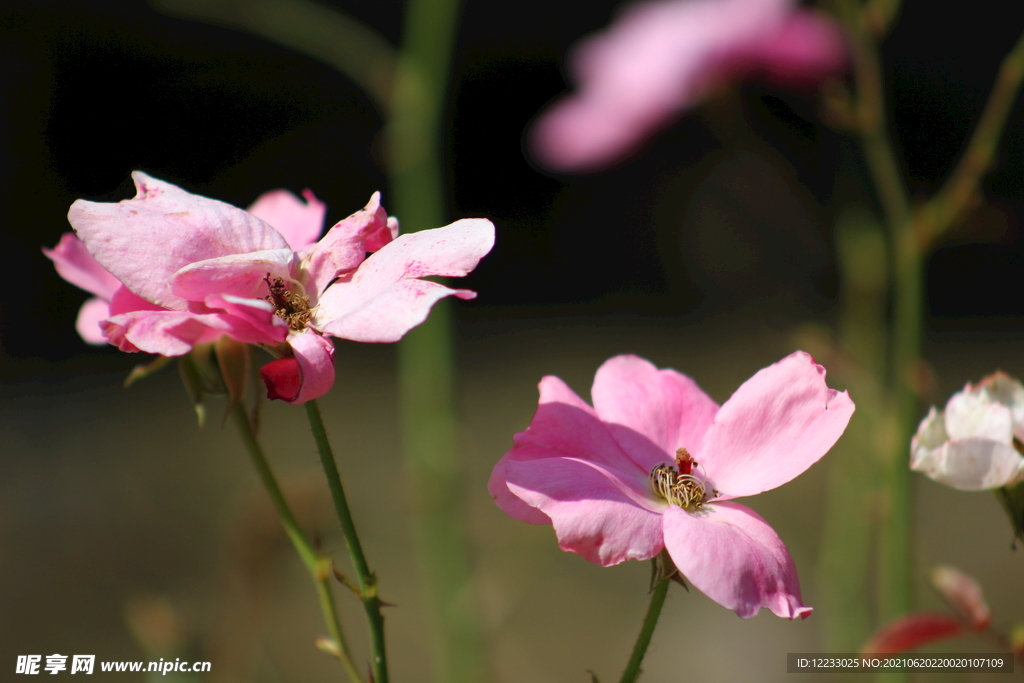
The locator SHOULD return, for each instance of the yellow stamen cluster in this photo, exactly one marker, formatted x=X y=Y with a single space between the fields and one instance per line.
x=293 y=308
x=684 y=490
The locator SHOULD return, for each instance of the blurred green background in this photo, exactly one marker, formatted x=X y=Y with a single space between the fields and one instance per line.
x=129 y=533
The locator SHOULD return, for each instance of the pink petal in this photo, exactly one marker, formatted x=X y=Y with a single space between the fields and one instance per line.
x=563 y=426
x=512 y=505
x=345 y=245
x=598 y=512
x=75 y=264
x=256 y=313
x=315 y=354
x=283 y=378
x=307 y=375
x=240 y=275
x=167 y=333
x=777 y=424
x=144 y=241
x=382 y=300
x=300 y=223
x=656 y=59
x=90 y=315
x=808 y=46
x=735 y=558
x=124 y=301
x=652 y=412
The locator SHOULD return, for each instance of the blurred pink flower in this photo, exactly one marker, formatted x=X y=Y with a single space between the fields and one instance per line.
x=655 y=464
x=662 y=56
x=179 y=269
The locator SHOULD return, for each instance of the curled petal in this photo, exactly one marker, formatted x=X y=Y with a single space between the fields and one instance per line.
x=777 y=424
x=75 y=264
x=90 y=315
x=509 y=502
x=345 y=245
x=666 y=407
x=124 y=301
x=307 y=375
x=300 y=223
x=144 y=241
x=598 y=512
x=383 y=300
x=283 y=378
x=257 y=313
x=735 y=558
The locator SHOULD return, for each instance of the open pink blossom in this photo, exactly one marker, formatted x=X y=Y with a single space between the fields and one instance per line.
x=663 y=56
x=189 y=270
x=656 y=463
x=300 y=223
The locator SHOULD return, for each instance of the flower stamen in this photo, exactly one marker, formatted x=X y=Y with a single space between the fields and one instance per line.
x=678 y=484
x=291 y=307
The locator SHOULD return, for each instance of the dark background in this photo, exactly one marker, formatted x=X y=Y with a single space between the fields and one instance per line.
x=703 y=252
x=93 y=90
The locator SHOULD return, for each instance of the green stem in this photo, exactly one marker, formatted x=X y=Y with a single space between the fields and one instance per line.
x=956 y=195
x=426 y=357
x=658 y=594
x=887 y=179
x=309 y=556
x=367 y=580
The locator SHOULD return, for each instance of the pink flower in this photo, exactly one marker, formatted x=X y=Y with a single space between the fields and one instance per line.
x=656 y=463
x=662 y=57
x=184 y=270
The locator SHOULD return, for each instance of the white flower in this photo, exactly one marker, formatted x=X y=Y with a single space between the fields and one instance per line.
x=973 y=444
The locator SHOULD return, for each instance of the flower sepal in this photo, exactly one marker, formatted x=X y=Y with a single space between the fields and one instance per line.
x=1012 y=499
x=222 y=368
x=663 y=568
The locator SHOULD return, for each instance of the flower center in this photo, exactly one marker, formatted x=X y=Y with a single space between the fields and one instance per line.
x=678 y=484
x=290 y=306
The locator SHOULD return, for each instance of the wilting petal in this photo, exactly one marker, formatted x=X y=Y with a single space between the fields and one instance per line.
x=383 y=299
x=598 y=512
x=144 y=241
x=240 y=275
x=283 y=379
x=666 y=407
x=90 y=315
x=300 y=223
x=345 y=245
x=735 y=558
x=75 y=264
x=777 y=424
x=970 y=464
x=1010 y=392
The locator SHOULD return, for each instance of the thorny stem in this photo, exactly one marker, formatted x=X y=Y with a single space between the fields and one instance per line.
x=309 y=556
x=643 y=640
x=367 y=580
